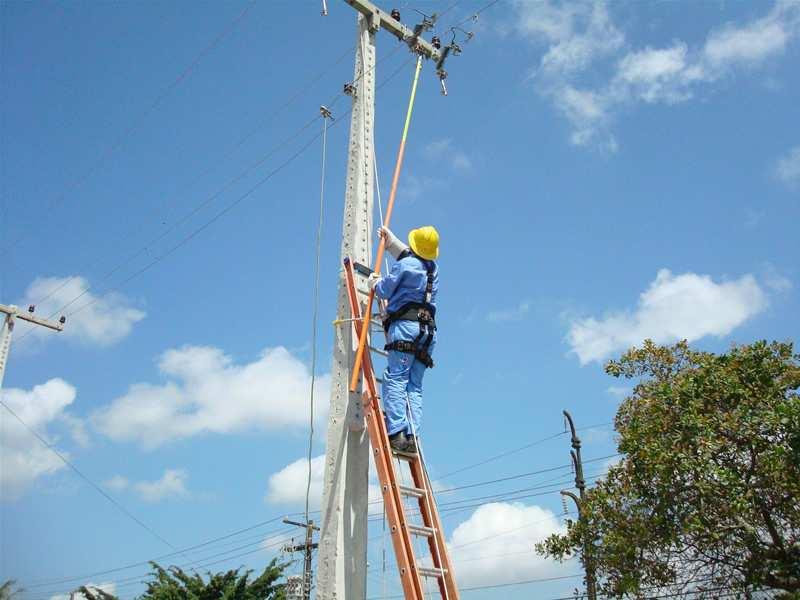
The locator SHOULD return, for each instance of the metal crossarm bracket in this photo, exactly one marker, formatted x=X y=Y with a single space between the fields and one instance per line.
x=379 y=18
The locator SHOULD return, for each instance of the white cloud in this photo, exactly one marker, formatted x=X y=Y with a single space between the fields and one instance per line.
x=579 y=35
x=443 y=151
x=288 y=486
x=171 y=485
x=674 y=307
x=105 y=320
x=23 y=458
x=207 y=392
x=503 y=315
x=117 y=483
x=496 y=544
x=754 y=42
x=775 y=280
x=661 y=75
x=415 y=187
x=619 y=391
x=787 y=167
x=109 y=587
x=588 y=113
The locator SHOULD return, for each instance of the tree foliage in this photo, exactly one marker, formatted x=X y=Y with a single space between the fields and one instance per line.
x=706 y=498
x=175 y=584
x=8 y=589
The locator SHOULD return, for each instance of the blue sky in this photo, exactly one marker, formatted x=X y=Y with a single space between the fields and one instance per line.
x=600 y=173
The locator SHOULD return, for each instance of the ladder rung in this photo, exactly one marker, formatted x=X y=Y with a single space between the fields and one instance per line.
x=422 y=531
x=379 y=351
x=431 y=572
x=404 y=456
x=412 y=491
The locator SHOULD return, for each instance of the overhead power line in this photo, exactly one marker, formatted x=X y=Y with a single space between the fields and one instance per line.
x=270 y=117
x=189 y=549
x=96 y=487
x=200 y=563
x=137 y=122
x=206 y=202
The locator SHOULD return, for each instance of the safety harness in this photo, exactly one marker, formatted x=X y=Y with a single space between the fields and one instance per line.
x=422 y=312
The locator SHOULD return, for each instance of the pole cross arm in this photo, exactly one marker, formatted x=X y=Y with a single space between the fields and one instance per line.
x=14 y=311
x=378 y=18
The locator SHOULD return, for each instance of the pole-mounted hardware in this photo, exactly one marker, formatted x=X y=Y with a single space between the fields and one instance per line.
x=10 y=314
x=326 y=112
x=412 y=37
x=306 y=549
x=391 y=22
x=580 y=483
x=324 y=8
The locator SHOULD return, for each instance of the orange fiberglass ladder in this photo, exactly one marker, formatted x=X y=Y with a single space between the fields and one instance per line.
x=402 y=530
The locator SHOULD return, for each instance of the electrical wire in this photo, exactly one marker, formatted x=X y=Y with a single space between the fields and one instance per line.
x=314 y=319
x=187 y=550
x=197 y=208
x=45 y=583
x=96 y=487
x=198 y=563
x=137 y=122
x=271 y=116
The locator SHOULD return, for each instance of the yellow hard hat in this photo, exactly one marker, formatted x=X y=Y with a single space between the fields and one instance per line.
x=424 y=241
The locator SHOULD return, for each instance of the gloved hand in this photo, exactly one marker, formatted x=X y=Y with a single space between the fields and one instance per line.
x=373 y=280
x=393 y=244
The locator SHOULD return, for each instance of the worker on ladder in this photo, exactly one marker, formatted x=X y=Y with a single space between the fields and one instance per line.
x=410 y=289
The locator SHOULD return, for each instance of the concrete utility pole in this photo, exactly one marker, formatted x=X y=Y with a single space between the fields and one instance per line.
x=11 y=314
x=580 y=483
x=306 y=548
x=342 y=560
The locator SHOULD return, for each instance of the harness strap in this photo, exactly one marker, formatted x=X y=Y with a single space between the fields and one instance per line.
x=420 y=353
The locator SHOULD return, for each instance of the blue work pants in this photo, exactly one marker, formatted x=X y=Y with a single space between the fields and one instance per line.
x=402 y=382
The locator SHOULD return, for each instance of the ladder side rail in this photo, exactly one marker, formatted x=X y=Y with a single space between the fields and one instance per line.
x=430 y=513
x=395 y=513
x=428 y=509
x=429 y=520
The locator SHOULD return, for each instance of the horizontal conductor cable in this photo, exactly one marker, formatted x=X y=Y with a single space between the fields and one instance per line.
x=227 y=154
x=188 y=549
x=137 y=121
x=216 y=217
x=247 y=136
x=96 y=487
x=198 y=563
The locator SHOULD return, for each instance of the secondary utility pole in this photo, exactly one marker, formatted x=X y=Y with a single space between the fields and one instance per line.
x=11 y=314
x=306 y=548
x=342 y=560
x=580 y=483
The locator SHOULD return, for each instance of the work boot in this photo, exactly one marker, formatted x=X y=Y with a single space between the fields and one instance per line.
x=398 y=442
x=411 y=444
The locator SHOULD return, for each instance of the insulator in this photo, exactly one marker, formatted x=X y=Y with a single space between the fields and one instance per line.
x=395 y=14
x=62 y=320
x=436 y=42
x=31 y=308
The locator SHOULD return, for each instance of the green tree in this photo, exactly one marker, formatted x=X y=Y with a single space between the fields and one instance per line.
x=706 y=497
x=175 y=584
x=8 y=591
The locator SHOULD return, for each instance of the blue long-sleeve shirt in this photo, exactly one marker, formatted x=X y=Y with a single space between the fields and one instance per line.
x=407 y=282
